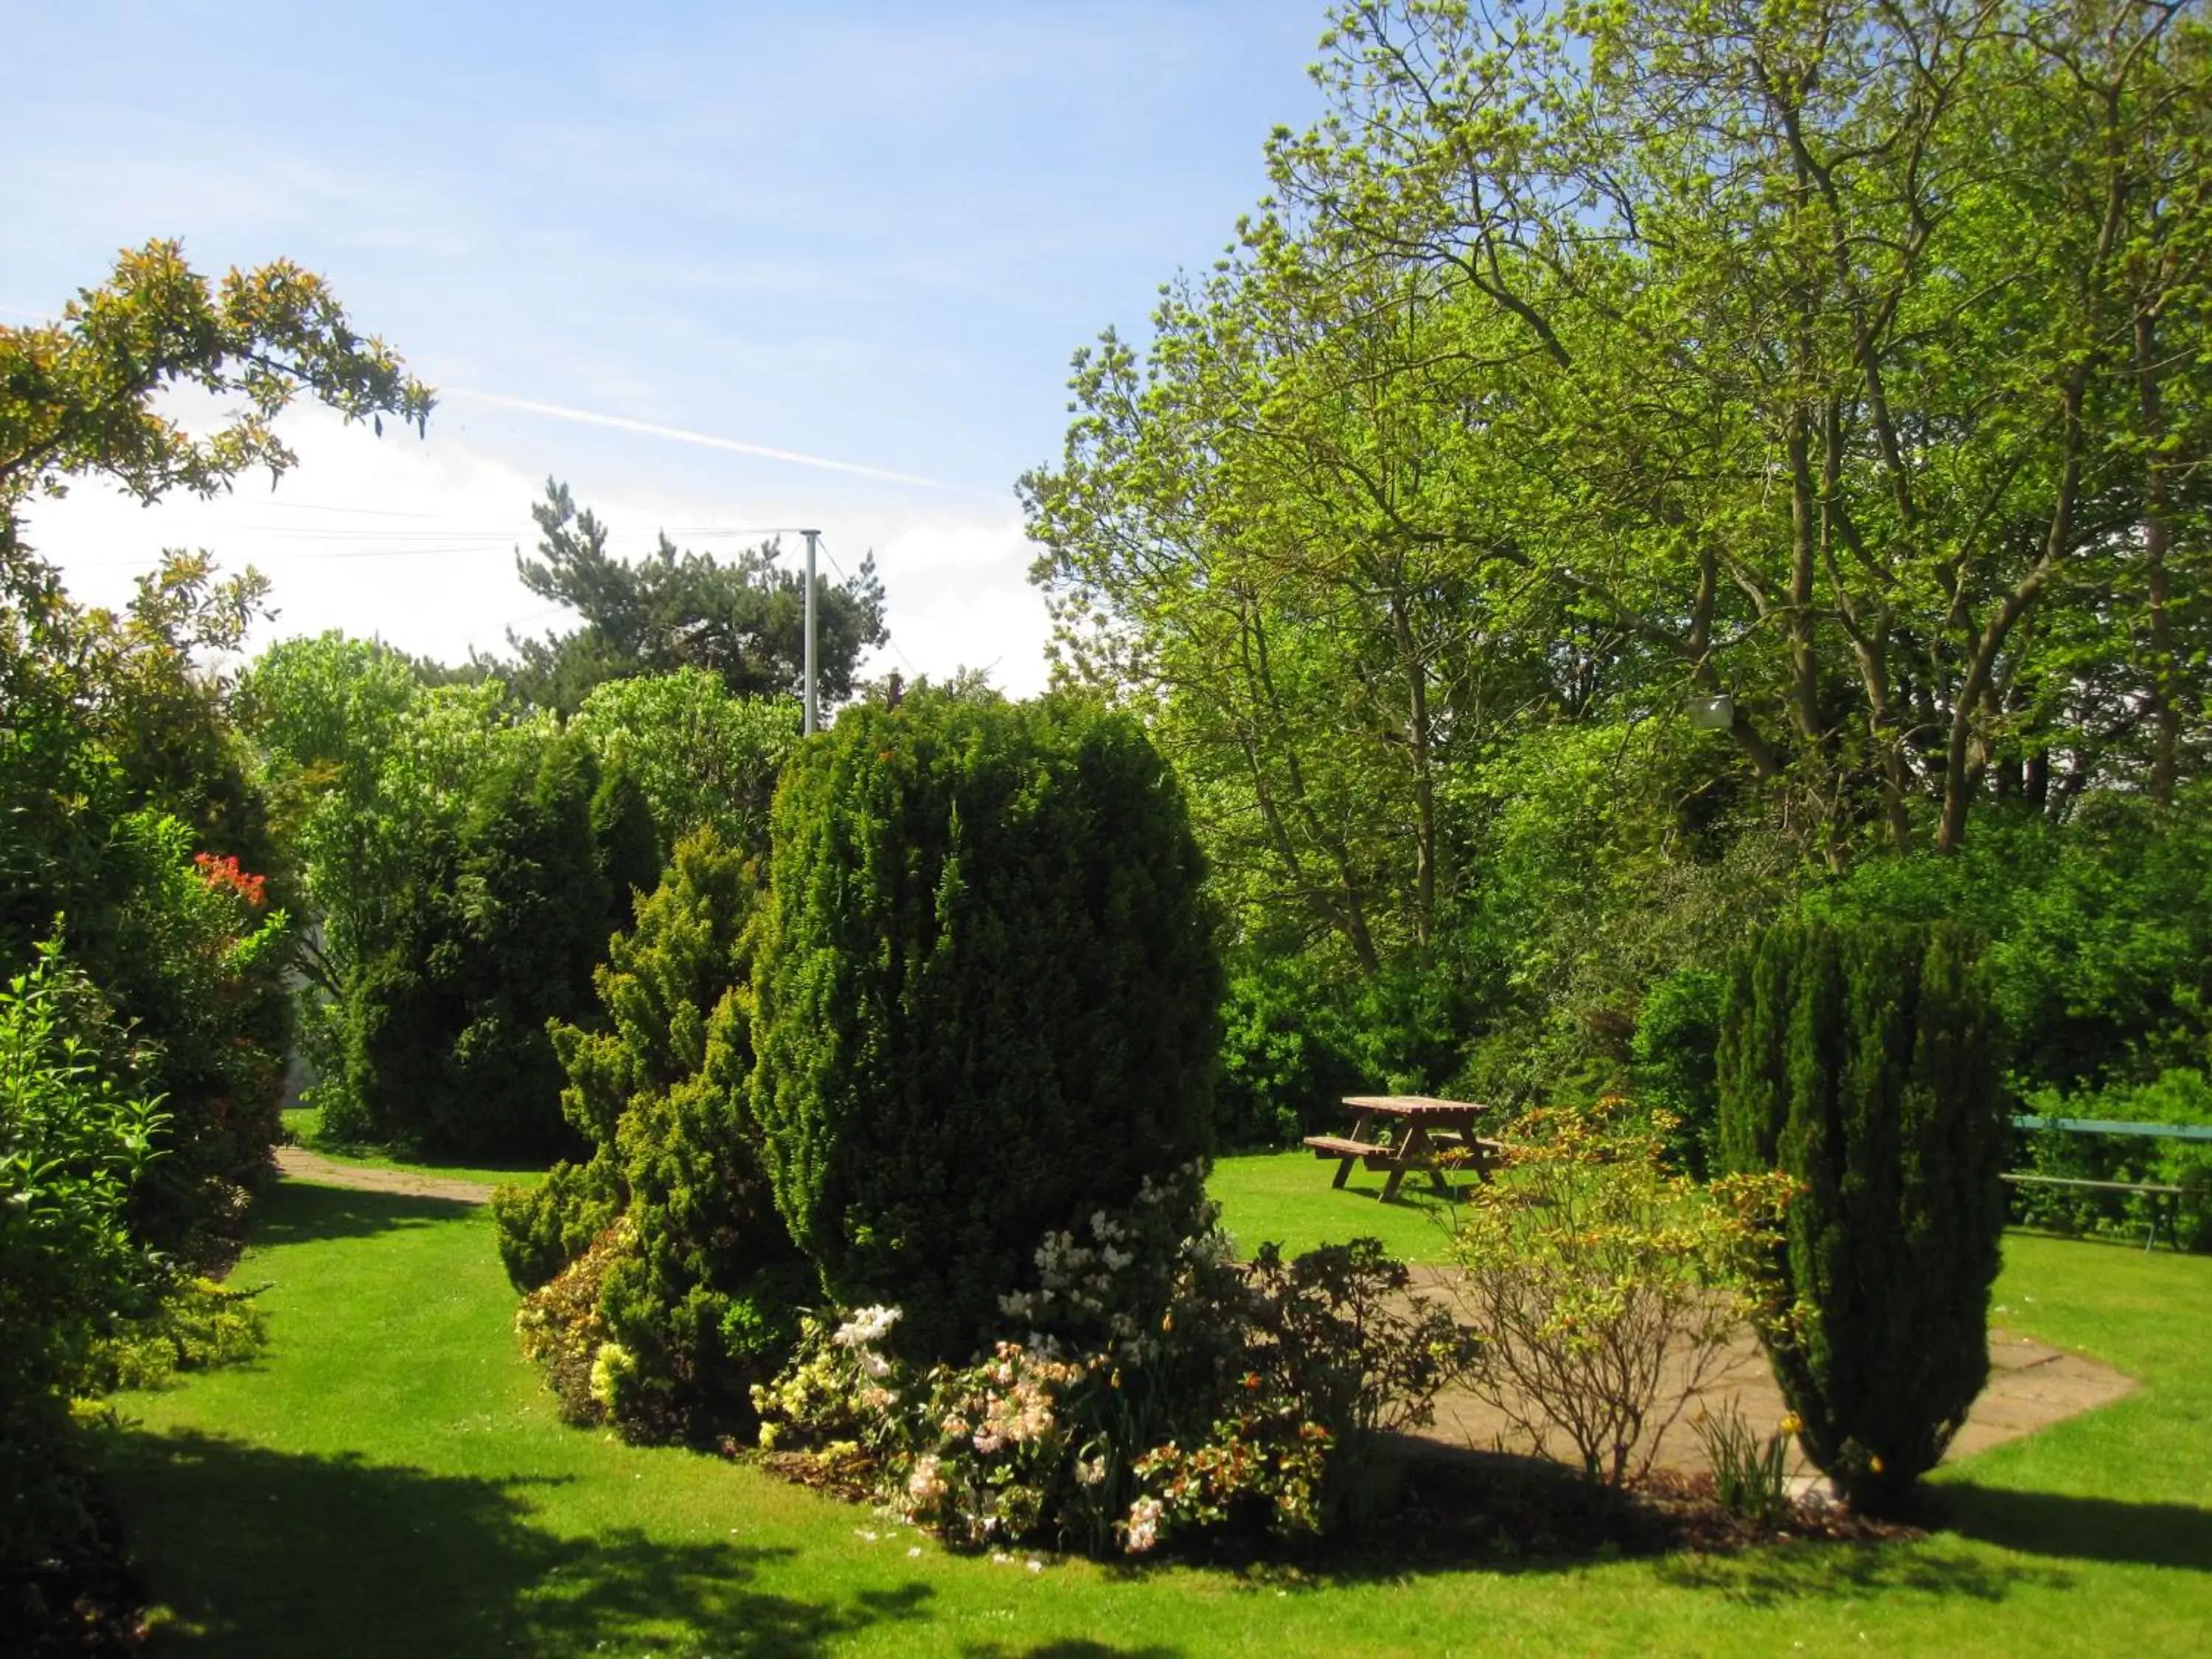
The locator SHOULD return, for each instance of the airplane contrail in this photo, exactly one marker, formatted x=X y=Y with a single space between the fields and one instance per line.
x=709 y=440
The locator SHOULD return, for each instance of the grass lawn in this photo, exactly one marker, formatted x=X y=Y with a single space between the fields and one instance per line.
x=1287 y=1197
x=389 y=1478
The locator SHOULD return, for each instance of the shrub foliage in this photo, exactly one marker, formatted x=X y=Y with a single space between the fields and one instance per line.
x=663 y=1280
x=1863 y=1061
x=494 y=931
x=987 y=988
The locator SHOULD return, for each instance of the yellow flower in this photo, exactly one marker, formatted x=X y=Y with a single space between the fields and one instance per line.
x=1874 y=1463
x=1791 y=1422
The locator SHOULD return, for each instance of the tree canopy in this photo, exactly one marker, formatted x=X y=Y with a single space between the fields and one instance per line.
x=743 y=619
x=78 y=396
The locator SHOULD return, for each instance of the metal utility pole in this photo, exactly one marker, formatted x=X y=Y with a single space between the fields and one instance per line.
x=811 y=713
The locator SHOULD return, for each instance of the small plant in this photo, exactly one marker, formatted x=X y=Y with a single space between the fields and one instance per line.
x=1605 y=1289
x=1750 y=1474
x=198 y=1325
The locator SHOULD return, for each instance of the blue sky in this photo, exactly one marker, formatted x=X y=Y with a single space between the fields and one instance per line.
x=869 y=233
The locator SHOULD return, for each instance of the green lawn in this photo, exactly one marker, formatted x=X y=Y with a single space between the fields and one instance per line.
x=390 y=1479
x=1287 y=1197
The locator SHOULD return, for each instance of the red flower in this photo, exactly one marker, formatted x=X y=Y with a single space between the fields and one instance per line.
x=224 y=873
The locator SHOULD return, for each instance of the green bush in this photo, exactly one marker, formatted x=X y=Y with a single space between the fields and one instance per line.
x=71 y=1145
x=1864 y=1063
x=490 y=935
x=693 y=1277
x=1671 y=1063
x=2099 y=930
x=988 y=996
x=1284 y=1065
x=126 y=809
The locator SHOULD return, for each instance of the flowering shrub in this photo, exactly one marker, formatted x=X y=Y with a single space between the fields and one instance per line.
x=223 y=875
x=1606 y=1289
x=1146 y=1384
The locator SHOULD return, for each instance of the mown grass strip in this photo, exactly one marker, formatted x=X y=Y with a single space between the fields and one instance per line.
x=389 y=1480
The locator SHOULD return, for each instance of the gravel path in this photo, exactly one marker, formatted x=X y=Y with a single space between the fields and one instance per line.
x=2031 y=1385
x=298 y=1164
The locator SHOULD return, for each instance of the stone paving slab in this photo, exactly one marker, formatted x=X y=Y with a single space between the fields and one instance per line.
x=2031 y=1385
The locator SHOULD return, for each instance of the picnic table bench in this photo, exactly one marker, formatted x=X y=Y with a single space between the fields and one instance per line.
x=1429 y=1135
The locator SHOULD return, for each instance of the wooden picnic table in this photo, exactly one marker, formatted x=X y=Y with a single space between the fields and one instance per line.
x=1420 y=1120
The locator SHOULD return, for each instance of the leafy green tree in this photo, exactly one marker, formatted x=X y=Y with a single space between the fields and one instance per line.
x=987 y=989
x=743 y=620
x=702 y=754
x=79 y=395
x=1865 y=1064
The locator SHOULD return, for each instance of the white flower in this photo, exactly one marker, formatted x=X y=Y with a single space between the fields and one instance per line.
x=865 y=1328
x=1143 y=1530
x=1017 y=1304
x=1089 y=1471
x=924 y=1484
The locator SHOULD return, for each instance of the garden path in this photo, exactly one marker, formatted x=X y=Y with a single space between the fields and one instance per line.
x=2031 y=1385
x=298 y=1164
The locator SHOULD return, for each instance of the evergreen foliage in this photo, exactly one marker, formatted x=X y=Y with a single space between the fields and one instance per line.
x=742 y=620
x=693 y=1278
x=988 y=990
x=492 y=933
x=1862 y=1062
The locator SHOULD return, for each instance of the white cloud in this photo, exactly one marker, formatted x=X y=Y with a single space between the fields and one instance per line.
x=413 y=540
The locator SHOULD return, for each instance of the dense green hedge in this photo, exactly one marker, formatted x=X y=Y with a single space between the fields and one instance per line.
x=988 y=994
x=1864 y=1061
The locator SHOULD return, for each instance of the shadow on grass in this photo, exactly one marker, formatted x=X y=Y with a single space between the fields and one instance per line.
x=256 y=1552
x=299 y=1212
x=1807 y=1572
x=2087 y=1529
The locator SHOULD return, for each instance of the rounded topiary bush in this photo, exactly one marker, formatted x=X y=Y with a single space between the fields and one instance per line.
x=987 y=989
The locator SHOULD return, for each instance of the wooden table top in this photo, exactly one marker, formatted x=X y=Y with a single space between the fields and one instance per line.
x=1413 y=1106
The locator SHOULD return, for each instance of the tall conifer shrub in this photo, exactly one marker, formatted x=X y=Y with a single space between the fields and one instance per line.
x=1863 y=1061
x=987 y=996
